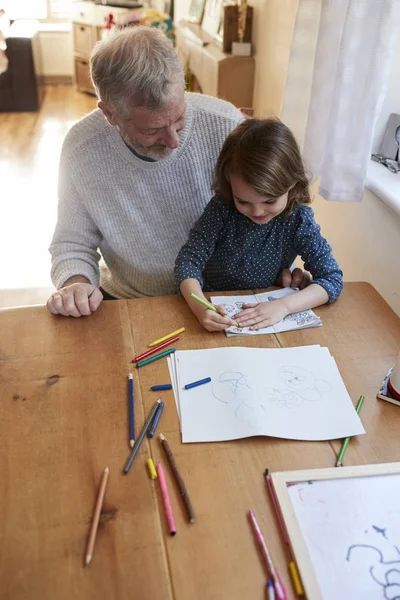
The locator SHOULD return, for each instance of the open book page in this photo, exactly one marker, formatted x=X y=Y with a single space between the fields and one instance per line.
x=233 y=305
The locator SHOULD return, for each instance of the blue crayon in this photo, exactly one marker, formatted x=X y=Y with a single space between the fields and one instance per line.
x=155 y=420
x=158 y=388
x=188 y=386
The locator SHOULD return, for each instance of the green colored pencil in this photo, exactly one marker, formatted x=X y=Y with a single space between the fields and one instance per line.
x=211 y=307
x=142 y=363
x=347 y=440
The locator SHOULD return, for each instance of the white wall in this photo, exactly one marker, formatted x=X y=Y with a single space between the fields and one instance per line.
x=365 y=237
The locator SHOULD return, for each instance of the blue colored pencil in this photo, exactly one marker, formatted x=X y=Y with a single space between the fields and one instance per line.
x=159 y=388
x=189 y=386
x=155 y=421
x=131 y=413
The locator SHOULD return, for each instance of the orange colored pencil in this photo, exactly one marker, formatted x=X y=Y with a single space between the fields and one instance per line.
x=96 y=517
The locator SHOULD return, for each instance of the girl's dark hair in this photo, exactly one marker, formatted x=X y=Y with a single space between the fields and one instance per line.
x=265 y=154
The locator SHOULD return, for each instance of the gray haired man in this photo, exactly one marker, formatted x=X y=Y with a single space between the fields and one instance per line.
x=132 y=184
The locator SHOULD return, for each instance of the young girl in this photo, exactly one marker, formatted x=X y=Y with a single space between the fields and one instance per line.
x=255 y=226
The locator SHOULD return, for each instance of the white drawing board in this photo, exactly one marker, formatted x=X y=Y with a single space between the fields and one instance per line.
x=344 y=529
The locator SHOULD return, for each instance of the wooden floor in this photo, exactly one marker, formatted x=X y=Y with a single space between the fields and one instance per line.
x=30 y=145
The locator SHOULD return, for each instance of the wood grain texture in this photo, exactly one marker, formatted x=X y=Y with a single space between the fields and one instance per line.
x=64 y=417
x=224 y=479
x=363 y=334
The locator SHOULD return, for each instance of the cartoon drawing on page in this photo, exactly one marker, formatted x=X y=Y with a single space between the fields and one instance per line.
x=372 y=557
x=232 y=310
x=233 y=389
x=301 y=384
x=301 y=319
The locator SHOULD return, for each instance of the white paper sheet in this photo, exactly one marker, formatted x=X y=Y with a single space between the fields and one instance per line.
x=233 y=304
x=294 y=393
x=352 y=531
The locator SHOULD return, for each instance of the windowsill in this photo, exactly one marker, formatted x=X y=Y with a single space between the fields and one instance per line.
x=384 y=184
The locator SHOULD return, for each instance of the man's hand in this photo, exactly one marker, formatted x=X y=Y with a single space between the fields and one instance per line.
x=261 y=315
x=295 y=279
x=75 y=300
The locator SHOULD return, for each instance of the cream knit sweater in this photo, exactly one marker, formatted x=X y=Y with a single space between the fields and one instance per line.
x=136 y=213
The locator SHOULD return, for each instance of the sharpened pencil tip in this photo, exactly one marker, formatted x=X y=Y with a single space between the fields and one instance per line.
x=130 y=375
x=158 y=401
x=162 y=437
x=88 y=559
x=266 y=472
x=132 y=443
x=338 y=464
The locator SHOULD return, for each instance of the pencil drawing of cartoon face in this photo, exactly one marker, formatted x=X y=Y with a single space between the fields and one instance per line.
x=297 y=378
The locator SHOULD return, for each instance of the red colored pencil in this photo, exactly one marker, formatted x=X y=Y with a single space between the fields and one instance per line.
x=155 y=349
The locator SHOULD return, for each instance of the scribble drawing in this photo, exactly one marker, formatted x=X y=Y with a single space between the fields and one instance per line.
x=380 y=530
x=384 y=573
x=232 y=388
x=302 y=385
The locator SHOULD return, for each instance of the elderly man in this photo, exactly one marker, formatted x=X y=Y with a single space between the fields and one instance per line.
x=132 y=184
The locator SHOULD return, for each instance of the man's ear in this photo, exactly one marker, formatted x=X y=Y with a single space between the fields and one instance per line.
x=107 y=113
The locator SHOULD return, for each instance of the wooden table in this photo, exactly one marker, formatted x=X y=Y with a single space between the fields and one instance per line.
x=63 y=418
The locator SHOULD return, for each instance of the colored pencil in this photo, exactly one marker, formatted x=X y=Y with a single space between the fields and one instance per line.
x=292 y=565
x=155 y=420
x=147 y=361
x=166 y=500
x=347 y=440
x=166 y=337
x=140 y=439
x=178 y=478
x=152 y=469
x=280 y=591
x=144 y=355
x=159 y=388
x=131 y=413
x=96 y=517
x=270 y=589
x=207 y=304
x=189 y=386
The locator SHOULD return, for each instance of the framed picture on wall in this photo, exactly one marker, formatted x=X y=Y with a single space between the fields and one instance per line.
x=212 y=16
x=196 y=11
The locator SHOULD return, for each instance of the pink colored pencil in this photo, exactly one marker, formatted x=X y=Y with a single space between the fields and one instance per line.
x=155 y=349
x=280 y=591
x=276 y=507
x=166 y=500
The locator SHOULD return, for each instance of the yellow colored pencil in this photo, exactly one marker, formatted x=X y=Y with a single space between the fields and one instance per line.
x=152 y=468
x=166 y=337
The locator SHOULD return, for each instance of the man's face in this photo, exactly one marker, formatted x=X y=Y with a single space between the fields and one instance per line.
x=153 y=133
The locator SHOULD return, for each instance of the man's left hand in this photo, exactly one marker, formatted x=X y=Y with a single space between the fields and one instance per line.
x=295 y=279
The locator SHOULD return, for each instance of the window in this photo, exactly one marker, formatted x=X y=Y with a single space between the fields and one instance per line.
x=49 y=10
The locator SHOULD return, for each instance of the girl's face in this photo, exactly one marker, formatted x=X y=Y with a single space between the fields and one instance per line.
x=253 y=205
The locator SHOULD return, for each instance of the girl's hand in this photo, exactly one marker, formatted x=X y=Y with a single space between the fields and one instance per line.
x=261 y=315
x=212 y=321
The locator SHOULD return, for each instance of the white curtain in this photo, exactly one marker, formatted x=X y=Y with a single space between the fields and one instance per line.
x=336 y=83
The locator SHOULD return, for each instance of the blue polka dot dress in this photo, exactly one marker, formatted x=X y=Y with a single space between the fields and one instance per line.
x=227 y=251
